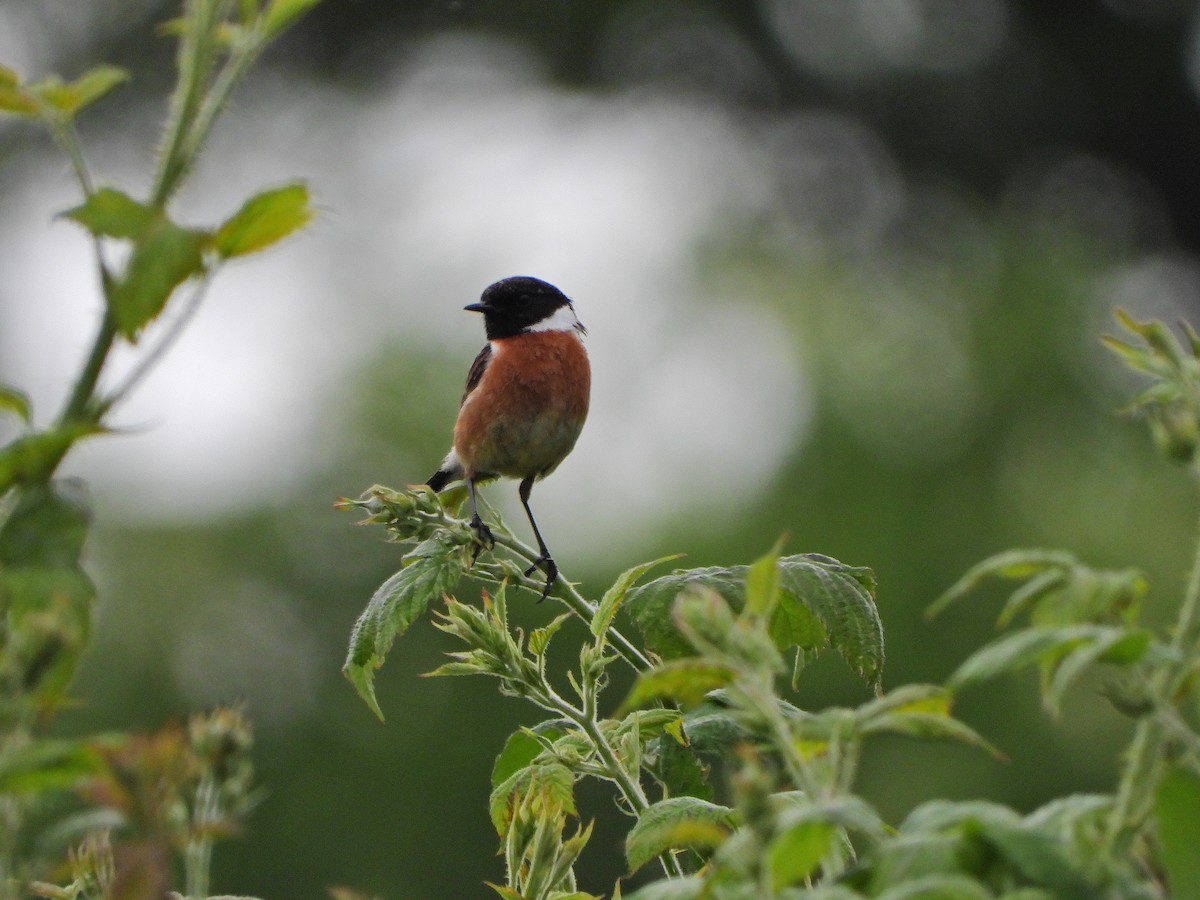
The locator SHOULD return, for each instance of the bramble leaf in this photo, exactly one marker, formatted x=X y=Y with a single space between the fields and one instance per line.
x=675 y=823
x=823 y=603
x=607 y=608
x=164 y=256
x=431 y=569
x=685 y=681
x=108 y=212
x=265 y=218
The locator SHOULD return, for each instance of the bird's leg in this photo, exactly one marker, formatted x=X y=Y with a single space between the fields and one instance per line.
x=483 y=534
x=544 y=559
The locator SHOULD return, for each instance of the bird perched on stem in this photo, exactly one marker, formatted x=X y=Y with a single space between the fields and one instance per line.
x=525 y=402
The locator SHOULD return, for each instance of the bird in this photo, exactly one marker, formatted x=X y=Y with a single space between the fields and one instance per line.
x=525 y=401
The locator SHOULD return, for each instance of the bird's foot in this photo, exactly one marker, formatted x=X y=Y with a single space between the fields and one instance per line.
x=483 y=537
x=550 y=567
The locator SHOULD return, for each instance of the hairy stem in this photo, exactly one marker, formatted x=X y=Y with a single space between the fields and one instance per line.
x=1143 y=762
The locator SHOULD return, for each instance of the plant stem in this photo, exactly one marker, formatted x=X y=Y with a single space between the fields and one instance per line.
x=566 y=592
x=1135 y=792
x=198 y=853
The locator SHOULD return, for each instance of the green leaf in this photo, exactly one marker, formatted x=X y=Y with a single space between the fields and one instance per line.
x=816 y=590
x=686 y=681
x=1018 y=650
x=265 y=218
x=1040 y=857
x=45 y=593
x=94 y=84
x=539 y=638
x=108 y=212
x=929 y=726
x=16 y=100
x=551 y=781
x=1113 y=645
x=1010 y=564
x=47 y=765
x=607 y=608
x=1177 y=809
x=680 y=770
x=795 y=853
x=282 y=13
x=15 y=401
x=677 y=823
x=433 y=568
x=843 y=598
x=164 y=256
x=46 y=528
x=762 y=583
x=32 y=457
x=521 y=749
x=652 y=604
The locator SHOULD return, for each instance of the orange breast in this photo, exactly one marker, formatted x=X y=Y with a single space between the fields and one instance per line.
x=527 y=411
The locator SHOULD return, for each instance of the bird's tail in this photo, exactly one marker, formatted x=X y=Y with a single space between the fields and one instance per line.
x=450 y=470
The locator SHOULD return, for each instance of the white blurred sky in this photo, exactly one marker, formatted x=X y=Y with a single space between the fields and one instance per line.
x=468 y=169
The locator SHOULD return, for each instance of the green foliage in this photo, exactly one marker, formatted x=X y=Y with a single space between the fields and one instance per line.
x=136 y=805
x=784 y=819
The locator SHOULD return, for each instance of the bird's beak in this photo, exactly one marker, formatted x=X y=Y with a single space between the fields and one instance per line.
x=477 y=307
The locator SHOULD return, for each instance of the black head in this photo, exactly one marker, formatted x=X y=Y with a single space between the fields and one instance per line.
x=522 y=303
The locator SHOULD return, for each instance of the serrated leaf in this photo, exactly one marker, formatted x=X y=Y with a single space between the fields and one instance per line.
x=15 y=401
x=264 y=219
x=652 y=604
x=685 y=681
x=843 y=598
x=539 y=638
x=815 y=589
x=108 y=212
x=551 y=781
x=397 y=603
x=1177 y=809
x=164 y=256
x=521 y=749
x=607 y=608
x=677 y=823
x=282 y=13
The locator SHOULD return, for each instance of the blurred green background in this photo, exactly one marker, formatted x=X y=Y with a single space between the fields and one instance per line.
x=845 y=265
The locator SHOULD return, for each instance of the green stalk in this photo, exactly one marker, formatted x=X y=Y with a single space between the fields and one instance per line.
x=1143 y=765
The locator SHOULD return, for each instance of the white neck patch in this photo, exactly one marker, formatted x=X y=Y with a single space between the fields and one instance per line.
x=562 y=319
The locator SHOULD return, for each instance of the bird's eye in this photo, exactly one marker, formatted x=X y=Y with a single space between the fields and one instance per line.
x=524 y=300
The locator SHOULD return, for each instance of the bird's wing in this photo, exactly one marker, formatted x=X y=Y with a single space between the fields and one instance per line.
x=477 y=370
